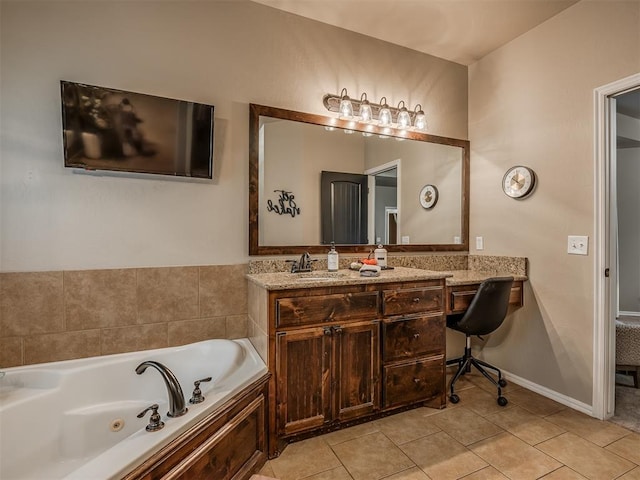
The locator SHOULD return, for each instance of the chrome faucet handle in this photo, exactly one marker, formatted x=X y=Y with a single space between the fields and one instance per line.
x=155 y=423
x=294 y=265
x=197 y=396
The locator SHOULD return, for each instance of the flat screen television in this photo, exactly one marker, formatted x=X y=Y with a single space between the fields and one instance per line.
x=119 y=131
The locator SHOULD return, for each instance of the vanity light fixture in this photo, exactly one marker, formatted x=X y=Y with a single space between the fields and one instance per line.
x=380 y=114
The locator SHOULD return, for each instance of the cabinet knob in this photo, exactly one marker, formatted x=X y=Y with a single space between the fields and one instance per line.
x=416 y=335
x=416 y=380
x=337 y=329
x=327 y=330
x=416 y=299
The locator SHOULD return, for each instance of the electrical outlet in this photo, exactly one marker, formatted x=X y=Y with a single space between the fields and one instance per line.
x=577 y=245
x=479 y=243
x=405 y=239
x=456 y=239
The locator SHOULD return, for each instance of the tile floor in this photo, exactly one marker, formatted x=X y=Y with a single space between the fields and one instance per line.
x=532 y=437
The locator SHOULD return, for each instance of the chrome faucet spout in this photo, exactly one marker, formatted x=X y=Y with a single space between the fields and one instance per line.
x=176 y=397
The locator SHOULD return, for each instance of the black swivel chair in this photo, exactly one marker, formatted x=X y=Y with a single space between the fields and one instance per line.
x=485 y=314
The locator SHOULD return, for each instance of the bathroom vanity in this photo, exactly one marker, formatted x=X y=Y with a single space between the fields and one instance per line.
x=344 y=348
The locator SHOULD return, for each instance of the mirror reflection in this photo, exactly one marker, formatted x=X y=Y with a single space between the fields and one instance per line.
x=318 y=184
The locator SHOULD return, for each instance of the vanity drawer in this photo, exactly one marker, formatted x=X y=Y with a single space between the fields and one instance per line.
x=411 y=382
x=409 y=337
x=460 y=297
x=412 y=300
x=295 y=311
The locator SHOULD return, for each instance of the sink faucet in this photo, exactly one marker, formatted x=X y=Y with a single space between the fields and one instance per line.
x=176 y=397
x=305 y=264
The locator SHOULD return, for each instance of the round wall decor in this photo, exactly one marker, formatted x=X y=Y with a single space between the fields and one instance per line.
x=519 y=181
x=428 y=196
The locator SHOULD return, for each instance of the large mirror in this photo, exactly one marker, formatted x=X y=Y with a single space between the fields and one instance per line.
x=315 y=179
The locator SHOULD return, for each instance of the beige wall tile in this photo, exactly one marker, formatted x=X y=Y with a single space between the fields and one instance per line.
x=99 y=298
x=61 y=346
x=31 y=303
x=11 y=352
x=134 y=338
x=167 y=294
x=223 y=290
x=190 y=331
x=237 y=326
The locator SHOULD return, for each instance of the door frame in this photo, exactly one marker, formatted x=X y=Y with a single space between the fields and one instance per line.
x=605 y=251
x=372 y=172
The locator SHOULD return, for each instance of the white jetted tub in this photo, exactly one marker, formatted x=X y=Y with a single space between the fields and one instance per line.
x=77 y=419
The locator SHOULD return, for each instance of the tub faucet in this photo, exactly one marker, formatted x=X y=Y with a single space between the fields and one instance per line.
x=176 y=397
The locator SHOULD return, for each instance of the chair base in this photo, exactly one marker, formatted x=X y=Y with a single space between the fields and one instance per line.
x=464 y=365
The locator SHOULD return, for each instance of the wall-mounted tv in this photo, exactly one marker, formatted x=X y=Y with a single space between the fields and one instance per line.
x=114 y=130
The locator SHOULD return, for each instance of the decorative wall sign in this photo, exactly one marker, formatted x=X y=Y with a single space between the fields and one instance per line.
x=518 y=182
x=286 y=204
x=428 y=196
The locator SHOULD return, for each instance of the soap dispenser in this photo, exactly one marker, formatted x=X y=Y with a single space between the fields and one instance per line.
x=380 y=254
x=332 y=259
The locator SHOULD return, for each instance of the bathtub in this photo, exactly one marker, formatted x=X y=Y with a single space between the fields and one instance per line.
x=77 y=419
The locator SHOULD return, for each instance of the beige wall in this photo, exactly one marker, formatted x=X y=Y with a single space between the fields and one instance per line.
x=225 y=53
x=531 y=103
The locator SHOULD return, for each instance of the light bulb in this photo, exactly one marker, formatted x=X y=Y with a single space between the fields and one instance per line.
x=384 y=115
x=404 y=120
x=365 y=112
x=420 y=121
x=346 y=108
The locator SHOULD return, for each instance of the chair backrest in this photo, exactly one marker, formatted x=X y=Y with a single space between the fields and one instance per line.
x=488 y=307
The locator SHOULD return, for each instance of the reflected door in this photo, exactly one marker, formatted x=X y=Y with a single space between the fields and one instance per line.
x=343 y=200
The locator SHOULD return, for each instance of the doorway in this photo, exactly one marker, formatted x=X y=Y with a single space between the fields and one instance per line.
x=606 y=274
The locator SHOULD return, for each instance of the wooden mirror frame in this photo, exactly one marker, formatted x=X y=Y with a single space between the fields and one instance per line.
x=256 y=111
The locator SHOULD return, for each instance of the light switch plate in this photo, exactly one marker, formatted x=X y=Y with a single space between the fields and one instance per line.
x=578 y=245
x=479 y=243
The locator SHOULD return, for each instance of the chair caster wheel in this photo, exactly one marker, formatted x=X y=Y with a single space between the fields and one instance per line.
x=502 y=401
x=502 y=382
x=454 y=398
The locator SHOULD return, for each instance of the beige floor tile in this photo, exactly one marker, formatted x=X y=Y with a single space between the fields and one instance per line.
x=584 y=457
x=350 y=433
x=632 y=475
x=480 y=401
x=534 y=403
x=487 y=473
x=413 y=473
x=563 y=473
x=339 y=473
x=483 y=383
x=525 y=425
x=627 y=447
x=371 y=457
x=305 y=458
x=465 y=426
x=267 y=470
x=597 y=431
x=514 y=458
x=464 y=381
x=407 y=426
x=442 y=457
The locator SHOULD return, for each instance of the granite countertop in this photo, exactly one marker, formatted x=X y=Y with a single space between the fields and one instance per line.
x=468 y=277
x=323 y=278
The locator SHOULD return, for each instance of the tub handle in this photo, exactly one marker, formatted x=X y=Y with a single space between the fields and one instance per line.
x=197 y=396
x=154 y=421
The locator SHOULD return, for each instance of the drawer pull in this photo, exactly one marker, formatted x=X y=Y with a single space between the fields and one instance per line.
x=416 y=299
x=416 y=380
x=327 y=330
x=337 y=329
x=416 y=335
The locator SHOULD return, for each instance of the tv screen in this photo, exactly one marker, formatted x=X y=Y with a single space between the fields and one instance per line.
x=114 y=130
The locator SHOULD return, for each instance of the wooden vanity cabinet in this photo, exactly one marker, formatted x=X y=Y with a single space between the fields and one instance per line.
x=342 y=355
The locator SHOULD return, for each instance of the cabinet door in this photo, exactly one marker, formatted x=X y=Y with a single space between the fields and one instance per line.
x=303 y=372
x=357 y=369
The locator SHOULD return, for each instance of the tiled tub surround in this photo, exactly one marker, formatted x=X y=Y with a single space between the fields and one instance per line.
x=51 y=316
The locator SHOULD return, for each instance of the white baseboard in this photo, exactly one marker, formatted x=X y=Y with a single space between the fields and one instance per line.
x=629 y=314
x=548 y=393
